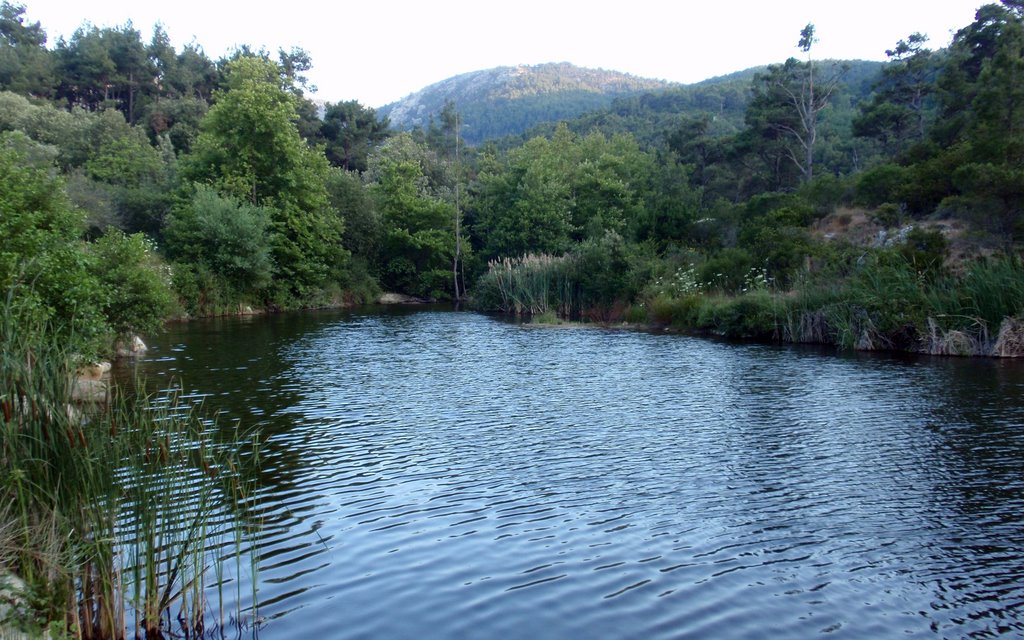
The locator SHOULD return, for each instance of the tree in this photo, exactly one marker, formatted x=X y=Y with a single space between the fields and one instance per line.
x=250 y=149
x=44 y=273
x=524 y=205
x=363 y=227
x=105 y=66
x=350 y=131
x=787 y=102
x=26 y=66
x=896 y=115
x=419 y=241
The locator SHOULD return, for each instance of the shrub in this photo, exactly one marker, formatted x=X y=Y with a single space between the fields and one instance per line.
x=228 y=237
x=726 y=271
x=925 y=250
x=888 y=215
x=753 y=315
x=136 y=288
x=680 y=312
x=880 y=184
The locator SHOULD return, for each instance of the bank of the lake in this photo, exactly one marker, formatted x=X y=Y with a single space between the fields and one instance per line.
x=880 y=303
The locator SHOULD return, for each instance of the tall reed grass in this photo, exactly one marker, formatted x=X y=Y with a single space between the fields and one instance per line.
x=532 y=285
x=114 y=513
x=884 y=303
x=887 y=304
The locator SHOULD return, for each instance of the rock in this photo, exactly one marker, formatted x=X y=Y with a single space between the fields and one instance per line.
x=12 y=602
x=93 y=371
x=89 y=390
x=134 y=349
x=397 y=298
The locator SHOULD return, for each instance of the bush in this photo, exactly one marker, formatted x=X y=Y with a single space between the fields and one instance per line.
x=754 y=315
x=925 y=250
x=679 y=312
x=880 y=184
x=136 y=288
x=601 y=272
x=888 y=215
x=726 y=271
x=43 y=267
x=229 y=238
x=825 y=193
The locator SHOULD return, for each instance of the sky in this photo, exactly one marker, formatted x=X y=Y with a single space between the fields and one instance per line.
x=379 y=52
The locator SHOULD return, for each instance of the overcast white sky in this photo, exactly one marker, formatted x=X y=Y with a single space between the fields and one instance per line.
x=377 y=52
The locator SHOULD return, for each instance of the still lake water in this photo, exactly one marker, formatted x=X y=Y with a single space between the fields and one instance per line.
x=430 y=474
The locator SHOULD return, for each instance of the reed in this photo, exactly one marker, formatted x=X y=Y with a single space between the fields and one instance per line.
x=112 y=512
x=534 y=284
x=887 y=304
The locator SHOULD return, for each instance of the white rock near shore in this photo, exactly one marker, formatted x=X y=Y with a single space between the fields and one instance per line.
x=397 y=298
x=12 y=603
x=135 y=348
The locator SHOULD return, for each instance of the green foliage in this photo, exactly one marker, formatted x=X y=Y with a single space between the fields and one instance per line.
x=532 y=285
x=136 y=289
x=128 y=161
x=887 y=214
x=880 y=184
x=925 y=251
x=363 y=225
x=350 y=131
x=680 y=312
x=525 y=205
x=601 y=275
x=178 y=119
x=419 y=240
x=110 y=506
x=752 y=315
x=726 y=271
x=826 y=192
x=227 y=237
x=552 y=193
x=250 y=149
x=993 y=198
x=594 y=282
x=43 y=268
x=898 y=113
x=26 y=66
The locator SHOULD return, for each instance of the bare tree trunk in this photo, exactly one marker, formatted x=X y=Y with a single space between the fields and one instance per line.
x=458 y=218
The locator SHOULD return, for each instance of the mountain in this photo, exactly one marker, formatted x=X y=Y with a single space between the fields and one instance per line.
x=652 y=116
x=510 y=100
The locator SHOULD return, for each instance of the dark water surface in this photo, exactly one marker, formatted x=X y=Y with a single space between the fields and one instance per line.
x=450 y=475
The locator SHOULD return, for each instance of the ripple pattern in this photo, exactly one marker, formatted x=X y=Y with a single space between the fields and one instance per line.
x=451 y=475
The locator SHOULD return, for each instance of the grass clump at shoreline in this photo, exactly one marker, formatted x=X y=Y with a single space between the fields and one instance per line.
x=875 y=300
x=113 y=513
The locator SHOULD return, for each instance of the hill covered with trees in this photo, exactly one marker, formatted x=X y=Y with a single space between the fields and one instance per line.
x=510 y=100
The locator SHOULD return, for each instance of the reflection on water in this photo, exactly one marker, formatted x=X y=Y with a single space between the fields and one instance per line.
x=451 y=475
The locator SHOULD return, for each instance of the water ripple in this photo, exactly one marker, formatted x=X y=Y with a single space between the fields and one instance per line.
x=451 y=475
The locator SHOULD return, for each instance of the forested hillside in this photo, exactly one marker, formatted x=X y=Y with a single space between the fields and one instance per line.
x=653 y=116
x=510 y=100
x=874 y=206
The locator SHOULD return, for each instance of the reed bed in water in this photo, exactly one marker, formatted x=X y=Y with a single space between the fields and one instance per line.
x=114 y=514
x=889 y=305
x=531 y=285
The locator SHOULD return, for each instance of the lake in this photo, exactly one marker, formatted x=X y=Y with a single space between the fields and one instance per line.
x=428 y=473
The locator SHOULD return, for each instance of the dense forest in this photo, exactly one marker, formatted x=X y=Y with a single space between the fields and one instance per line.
x=862 y=204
